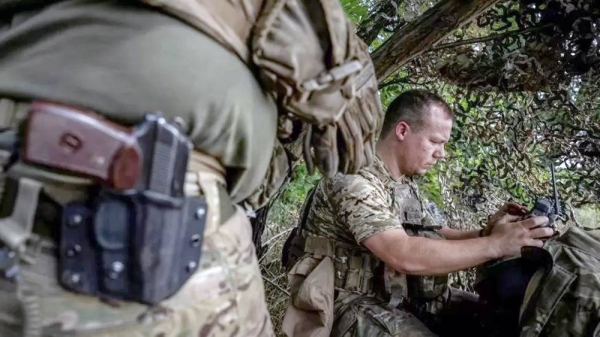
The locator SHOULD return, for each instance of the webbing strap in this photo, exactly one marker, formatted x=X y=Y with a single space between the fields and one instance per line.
x=556 y=284
x=12 y=113
x=16 y=229
x=7 y=109
x=306 y=207
x=396 y=285
x=319 y=246
x=533 y=285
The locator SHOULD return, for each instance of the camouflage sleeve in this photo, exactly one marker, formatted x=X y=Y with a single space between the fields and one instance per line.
x=363 y=206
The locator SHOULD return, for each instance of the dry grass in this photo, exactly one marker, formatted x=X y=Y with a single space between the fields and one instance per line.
x=282 y=219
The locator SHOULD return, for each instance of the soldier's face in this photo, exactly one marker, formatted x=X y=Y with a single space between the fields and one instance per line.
x=420 y=150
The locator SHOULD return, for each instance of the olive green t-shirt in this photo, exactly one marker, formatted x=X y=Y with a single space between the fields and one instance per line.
x=124 y=60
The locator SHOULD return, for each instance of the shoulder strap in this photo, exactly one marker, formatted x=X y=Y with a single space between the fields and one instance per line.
x=294 y=245
x=306 y=207
x=228 y=22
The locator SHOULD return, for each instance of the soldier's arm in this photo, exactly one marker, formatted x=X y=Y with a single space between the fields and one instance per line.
x=365 y=209
x=508 y=212
x=455 y=234
x=424 y=256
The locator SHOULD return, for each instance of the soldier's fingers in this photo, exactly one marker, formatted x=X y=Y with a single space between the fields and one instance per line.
x=534 y=221
x=536 y=243
x=514 y=208
x=542 y=232
x=506 y=218
x=509 y=218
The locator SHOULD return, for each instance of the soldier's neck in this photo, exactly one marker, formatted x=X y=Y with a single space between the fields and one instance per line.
x=388 y=156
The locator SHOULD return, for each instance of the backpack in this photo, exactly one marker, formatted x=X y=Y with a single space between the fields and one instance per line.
x=309 y=59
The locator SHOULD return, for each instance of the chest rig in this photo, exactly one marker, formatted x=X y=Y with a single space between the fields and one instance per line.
x=359 y=271
x=425 y=294
x=354 y=267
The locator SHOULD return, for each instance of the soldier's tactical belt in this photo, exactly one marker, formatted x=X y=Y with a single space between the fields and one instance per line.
x=138 y=237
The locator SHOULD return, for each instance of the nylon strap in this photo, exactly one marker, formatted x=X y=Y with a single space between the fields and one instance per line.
x=16 y=229
x=12 y=112
x=555 y=286
x=203 y=177
x=533 y=285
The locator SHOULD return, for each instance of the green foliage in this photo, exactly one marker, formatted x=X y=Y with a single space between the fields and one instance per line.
x=588 y=217
x=357 y=10
x=287 y=205
x=302 y=183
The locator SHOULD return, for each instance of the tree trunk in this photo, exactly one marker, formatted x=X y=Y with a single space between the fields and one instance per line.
x=418 y=36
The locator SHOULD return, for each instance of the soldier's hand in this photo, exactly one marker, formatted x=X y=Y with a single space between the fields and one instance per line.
x=507 y=211
x=510 y=236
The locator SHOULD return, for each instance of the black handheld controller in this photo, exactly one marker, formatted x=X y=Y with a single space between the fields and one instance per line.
x=547 y=207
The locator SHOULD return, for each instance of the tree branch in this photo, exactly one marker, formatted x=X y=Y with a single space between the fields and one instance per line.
x=402 y=80
x=488 y=38
x=418 y=36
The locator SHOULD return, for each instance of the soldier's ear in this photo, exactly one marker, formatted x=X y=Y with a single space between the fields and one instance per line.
x=402 y=129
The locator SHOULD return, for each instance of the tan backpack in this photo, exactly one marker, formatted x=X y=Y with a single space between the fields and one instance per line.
x=312 y=63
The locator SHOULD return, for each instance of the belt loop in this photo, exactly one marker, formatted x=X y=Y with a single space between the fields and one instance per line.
x=203 y=177
x=7 y=113
x=12 y=113
x=16 y=229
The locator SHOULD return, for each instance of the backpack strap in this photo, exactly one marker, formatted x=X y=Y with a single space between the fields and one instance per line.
x=293 y=248
x=228 y=22
x=546 y=297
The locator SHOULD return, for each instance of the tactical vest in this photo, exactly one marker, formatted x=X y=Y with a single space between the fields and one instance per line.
x=423 y=294
x=360 y=271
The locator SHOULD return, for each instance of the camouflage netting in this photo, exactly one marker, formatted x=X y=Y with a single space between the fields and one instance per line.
x=523 y=78
x=524 y=81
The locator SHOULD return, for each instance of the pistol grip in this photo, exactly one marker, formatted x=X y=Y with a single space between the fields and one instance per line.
x=81 y=143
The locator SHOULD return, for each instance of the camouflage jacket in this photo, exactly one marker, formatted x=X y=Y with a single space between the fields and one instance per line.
x=567 y=300
x=348 y=209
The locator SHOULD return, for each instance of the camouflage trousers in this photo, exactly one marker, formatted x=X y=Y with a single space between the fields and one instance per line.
x=225 y=297
x=371 y=317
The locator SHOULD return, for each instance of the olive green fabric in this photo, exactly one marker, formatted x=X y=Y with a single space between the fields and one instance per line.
x=141 y=60
x=567 y=301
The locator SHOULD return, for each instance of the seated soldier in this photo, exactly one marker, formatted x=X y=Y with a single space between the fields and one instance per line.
x=366 y=236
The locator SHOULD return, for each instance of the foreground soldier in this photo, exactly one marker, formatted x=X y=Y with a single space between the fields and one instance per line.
x=126 y=226
x=367 y=236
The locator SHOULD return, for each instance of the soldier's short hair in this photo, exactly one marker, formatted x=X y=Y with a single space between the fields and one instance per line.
x=412 y=107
